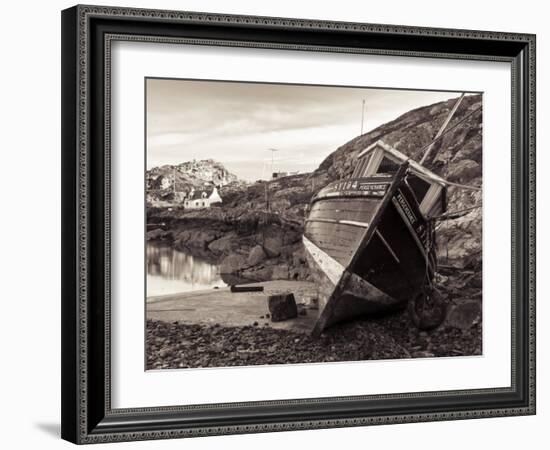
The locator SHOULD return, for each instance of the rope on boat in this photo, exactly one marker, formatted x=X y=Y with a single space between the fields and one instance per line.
x=455 y=214
x=445 y=123
x=448 y=130
x=440 y=136
x=463 y=186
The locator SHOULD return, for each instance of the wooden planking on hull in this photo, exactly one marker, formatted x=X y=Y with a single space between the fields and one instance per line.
x=359 y=210
x=337 y=239
x=337 y=225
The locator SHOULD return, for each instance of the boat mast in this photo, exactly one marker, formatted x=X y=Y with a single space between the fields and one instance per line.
x=267 y=205
x=362 y=116
x=440 y=132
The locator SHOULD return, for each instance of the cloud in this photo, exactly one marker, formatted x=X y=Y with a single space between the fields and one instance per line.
x=235 y=123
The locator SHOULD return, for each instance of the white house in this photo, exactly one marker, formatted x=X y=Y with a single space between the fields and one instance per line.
x=202 y=198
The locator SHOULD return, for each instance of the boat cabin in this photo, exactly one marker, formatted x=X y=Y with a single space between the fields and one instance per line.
x=380 y=159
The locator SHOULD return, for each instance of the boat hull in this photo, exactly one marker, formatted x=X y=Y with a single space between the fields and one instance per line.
x=355 y=296
x=367 y=252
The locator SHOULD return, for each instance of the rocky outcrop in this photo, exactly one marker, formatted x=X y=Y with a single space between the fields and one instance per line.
x=172 y=183
x=463 y=171
x=253 y=245
x=193 y=238
x=158 y=234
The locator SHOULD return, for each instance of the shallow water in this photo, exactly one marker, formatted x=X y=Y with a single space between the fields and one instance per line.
x=171 y=271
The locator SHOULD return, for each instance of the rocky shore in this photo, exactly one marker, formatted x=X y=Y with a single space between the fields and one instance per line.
x=175 y=344
x=251 y=245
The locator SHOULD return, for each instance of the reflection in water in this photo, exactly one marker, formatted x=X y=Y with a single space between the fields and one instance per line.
x=170 y=271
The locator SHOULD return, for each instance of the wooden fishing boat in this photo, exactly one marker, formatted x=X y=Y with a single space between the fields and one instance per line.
x=370 y=239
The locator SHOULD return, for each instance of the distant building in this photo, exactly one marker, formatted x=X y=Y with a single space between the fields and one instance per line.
x=202 y=198
x=276 y=175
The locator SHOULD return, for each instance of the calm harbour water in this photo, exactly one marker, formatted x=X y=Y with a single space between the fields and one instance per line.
x=171 y=271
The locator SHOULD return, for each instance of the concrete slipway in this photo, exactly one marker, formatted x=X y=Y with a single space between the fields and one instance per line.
x=226 y=308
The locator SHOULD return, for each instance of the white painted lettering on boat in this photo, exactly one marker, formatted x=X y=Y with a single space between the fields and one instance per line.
x=403 y=215
x=405 y=206
x=354 y=188
x=373 y=187
x=351 y=194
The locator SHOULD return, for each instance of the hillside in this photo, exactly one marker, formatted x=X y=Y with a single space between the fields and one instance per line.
x=186 y=176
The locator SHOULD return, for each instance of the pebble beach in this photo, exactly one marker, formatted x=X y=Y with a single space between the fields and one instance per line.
x=178 y=344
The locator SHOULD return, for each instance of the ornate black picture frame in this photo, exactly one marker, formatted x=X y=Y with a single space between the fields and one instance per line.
x=87 y=34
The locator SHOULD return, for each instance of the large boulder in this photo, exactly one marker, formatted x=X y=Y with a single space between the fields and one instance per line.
x=201 y=239
x=271 y=238
x=256 y=255
x=233 y=263
x=459 y=241
x=470 y=150
x=282 y=307
x=223 y=245
x=195 y=238
x=273 y=245
x=463 y=171
x=157 y=234
x=182 y=237
x=464 y=315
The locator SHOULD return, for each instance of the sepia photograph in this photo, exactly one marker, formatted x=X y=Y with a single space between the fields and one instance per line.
x=299 y=224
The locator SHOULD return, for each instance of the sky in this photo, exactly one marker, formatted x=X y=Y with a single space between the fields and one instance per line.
x=238 y=123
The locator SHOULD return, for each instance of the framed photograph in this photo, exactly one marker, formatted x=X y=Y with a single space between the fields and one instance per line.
x=278 y=224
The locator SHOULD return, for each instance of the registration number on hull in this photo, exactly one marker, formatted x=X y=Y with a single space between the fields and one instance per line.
x=355 y=188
